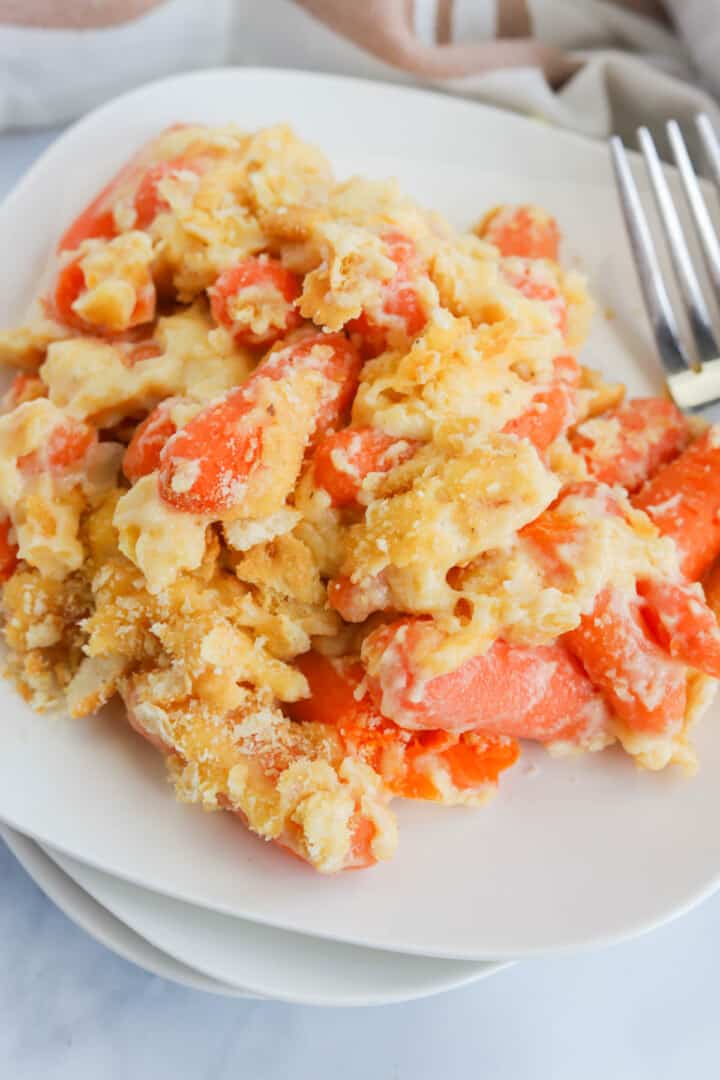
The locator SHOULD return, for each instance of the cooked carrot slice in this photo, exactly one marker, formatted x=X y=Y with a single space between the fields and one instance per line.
x=476 y=759
x=333 y=685
x=538 y=692
x=255 y=301
x=148 y=202
x=204 y=466
x=568 y=370
x=68 y=444
x=66 y=447
x=8 y=550
x=143 y=453
x=549 y=534
x=683 y=499
x=344 y=458
x=97 y=220
x=628 y=445
x=682 y=623
x=612 y=642
x=401 y=304
x=551 y=412
x=214 y=454
x=643 y=686
x=24 y=387
x=70 y=283
x=711 y=586
x=413 y=765
x=339 y=363
x=522 y=230
x=554 y=531
x=536 y=282
x=363 y=832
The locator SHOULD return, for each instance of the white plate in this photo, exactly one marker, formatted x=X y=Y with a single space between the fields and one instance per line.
x=92 y=917
x=185 y=944
x=270 y=962
x=579 y=852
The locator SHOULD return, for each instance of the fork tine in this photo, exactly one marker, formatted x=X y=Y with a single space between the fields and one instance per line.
x=662 y=319
x=698 y=313
x=711 y=145
x=706 y=231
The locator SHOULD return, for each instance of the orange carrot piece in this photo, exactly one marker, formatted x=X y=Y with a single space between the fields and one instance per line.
x=522 y=230
x=255 y=279
x=24 y=387
x=409 y=763
x=70 y=283
x=8 y=550
x=341 y=369
x=400 y=305
x=548 y=533
x=643 y=686
x=568 y=370
x=557 y=526
x=538 y=692
x=536 y=281
x=143 y=453
x=148 y=202
x=344 y=458
x=97 y=221
x=683 y=499
x=711 y=586
x=551 y=413
x=68 y=444
x=65 y=448
x=682 y=623
x=552 y=410
x=612 y=642
x=220 y=448
x=628 y=445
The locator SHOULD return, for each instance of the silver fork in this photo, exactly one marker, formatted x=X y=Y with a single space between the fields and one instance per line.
x=691 y=384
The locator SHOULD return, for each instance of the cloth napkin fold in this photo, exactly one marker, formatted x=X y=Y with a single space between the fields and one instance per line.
x=632 y=70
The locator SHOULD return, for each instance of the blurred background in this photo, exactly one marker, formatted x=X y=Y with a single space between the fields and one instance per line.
x=594 y=66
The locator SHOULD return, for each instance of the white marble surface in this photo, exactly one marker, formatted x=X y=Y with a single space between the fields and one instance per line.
x=70 y=1010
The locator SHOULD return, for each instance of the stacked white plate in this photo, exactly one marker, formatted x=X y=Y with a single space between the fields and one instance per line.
x=571 y=853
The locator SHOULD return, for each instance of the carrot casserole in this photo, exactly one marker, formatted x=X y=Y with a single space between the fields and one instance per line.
x=319 y=487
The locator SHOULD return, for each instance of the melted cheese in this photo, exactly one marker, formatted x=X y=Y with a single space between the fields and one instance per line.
x=160 y=540
x=92 y=379
x=454 y=509
x=453 y=373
